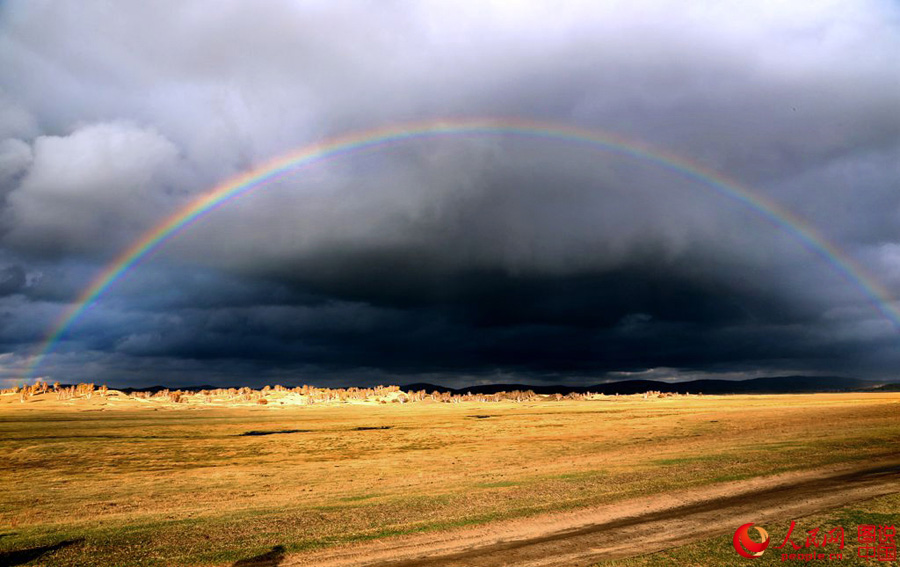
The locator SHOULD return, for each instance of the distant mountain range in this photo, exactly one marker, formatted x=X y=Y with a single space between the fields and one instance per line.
x=770 y=385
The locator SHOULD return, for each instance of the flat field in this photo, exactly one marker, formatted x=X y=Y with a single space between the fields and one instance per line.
x=101 y=482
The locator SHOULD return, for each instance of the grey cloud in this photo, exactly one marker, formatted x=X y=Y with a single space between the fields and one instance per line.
x=15 y=120
x=12 y=280
x=15 y=159
x=458 y=256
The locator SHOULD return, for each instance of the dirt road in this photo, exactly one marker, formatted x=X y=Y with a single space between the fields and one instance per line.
x=625 y=529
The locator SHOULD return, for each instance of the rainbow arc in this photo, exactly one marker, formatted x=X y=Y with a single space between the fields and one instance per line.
x=259 y=177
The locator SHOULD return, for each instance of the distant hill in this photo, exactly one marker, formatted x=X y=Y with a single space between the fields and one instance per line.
x=771 y=385
x=159 y=388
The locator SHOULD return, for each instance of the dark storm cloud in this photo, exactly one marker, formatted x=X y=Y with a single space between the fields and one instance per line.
x=457 y=257
x=12 y=280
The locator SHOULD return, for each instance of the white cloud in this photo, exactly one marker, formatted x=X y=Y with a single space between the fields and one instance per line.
x=84 y=191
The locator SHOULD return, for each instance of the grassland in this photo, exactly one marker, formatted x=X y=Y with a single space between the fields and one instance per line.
x=107 y=484
x=719 y=550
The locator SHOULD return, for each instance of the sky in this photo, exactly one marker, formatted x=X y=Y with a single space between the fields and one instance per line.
x=458 y=259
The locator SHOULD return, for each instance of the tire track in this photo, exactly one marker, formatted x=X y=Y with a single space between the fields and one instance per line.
x=642 y=527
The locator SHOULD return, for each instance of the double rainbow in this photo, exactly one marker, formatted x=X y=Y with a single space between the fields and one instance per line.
x=355 y=142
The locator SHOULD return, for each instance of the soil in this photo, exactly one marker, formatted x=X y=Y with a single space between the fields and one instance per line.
x=624 y=529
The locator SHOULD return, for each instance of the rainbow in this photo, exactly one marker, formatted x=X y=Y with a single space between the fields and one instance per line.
x=258 y=177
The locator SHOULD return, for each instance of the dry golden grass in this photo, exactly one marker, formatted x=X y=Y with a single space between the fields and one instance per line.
x=132 y=482
x=718 y=551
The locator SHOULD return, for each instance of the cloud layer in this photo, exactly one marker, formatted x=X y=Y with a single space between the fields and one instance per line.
x=457 y=258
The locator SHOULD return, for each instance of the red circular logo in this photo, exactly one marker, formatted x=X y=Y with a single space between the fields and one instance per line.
x=745 y=546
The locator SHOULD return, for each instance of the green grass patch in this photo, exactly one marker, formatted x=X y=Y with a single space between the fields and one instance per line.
x=499 y=484
x=718 y=551
x=181 y=488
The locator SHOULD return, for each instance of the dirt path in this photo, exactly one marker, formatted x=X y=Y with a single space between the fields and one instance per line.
x=624 y=529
